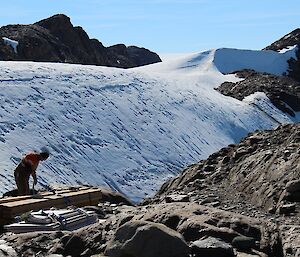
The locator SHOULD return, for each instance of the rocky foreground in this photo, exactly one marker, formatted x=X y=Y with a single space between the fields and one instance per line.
x=242 y=201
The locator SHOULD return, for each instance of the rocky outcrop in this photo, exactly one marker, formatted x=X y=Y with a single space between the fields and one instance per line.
x=263 y=169
x=290 y=39
x=55 y=39
x=258 y=177
x=284 y=92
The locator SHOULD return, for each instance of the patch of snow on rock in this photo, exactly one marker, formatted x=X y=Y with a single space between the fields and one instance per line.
x=12 y=43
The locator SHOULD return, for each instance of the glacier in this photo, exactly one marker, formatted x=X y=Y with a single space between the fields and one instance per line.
x=129 y=130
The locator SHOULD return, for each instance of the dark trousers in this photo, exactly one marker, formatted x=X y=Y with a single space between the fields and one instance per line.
x=22 y=174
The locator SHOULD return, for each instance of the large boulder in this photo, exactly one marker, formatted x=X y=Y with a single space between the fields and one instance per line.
x=146 y=239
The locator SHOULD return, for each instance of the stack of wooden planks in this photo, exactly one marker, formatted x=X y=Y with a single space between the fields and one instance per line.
x=81 y=196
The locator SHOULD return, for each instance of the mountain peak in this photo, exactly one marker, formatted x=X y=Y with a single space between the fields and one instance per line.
x=290 y=39
x=60 y=21
x=55 y=39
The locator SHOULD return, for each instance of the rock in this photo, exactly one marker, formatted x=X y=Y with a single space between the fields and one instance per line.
x=146 y=239
x=171 y=221
x=243 y=243
x=208 y=199
x=6 y=250
x=112 y=197
x=241 y=254
x=225 y=159
x=209 y=168
x=198 y=227
x=212 y=247
x=291 y=197
x=293 y=186
x=290 y=239
x=287 y=208
x=214 y=204
x=240 y=152
x=272 y=210
x=55 y=39
x=177 y=198
x=72 y=245
x=254 y=139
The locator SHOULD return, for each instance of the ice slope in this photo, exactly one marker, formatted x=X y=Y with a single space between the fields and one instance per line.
x=126 y=129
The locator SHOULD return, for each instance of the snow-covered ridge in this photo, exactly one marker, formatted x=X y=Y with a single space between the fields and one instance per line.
x=230 y=60
x=227 y=60
x=126 y=129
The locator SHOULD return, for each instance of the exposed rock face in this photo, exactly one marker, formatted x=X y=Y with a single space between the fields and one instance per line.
x=35 y=43
x=55 y=39
x=284 y=92
x=262 y=171
x=260 y=168
x=290 y=39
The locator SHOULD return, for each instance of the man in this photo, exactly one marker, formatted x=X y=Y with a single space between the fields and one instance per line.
x=28 y=167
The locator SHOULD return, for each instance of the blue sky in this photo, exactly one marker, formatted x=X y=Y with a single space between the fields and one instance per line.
x=168 y=26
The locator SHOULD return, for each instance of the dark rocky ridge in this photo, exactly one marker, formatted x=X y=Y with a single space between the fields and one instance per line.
x=290 y=39
x=55 y=39
x=284 y=92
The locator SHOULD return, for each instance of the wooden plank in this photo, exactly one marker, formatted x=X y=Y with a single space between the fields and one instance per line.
x=85 y=196
x=42 y=193
x=21 y=198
